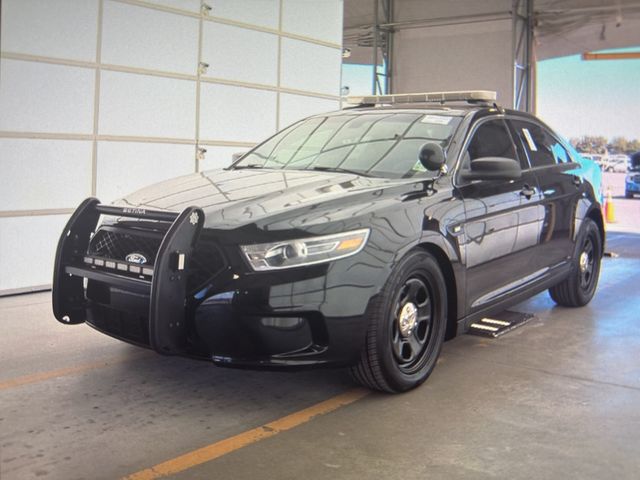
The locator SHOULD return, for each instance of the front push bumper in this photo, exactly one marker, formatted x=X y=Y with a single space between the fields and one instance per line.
x=164 y=285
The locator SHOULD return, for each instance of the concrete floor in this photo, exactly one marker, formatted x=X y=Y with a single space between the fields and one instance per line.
x=557 y=398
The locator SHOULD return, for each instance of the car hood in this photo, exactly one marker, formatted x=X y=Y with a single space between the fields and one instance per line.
x=232 y=198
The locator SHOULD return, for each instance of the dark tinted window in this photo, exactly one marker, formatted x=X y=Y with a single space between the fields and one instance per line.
x=490 y=139
x=542 y=147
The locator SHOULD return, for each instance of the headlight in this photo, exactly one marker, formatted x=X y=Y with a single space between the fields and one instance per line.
x=305 y=251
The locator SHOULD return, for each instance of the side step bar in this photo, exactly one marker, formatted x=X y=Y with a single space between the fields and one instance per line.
x=166 y=288
x=499 y=324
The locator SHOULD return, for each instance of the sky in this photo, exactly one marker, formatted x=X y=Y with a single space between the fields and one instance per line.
x=597 y=97
x=575 y=97
x=358 y=77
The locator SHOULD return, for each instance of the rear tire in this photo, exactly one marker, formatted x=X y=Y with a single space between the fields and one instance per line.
x=628 y=194
x=407 y=324
x=578 y=289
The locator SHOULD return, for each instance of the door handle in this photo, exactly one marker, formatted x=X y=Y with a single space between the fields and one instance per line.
x=528 y=192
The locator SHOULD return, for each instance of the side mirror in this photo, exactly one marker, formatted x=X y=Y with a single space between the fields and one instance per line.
x=431 y=156
x=493 y=168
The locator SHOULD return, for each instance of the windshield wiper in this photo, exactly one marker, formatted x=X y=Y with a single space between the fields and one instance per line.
x=251 y=165
x=339 y=170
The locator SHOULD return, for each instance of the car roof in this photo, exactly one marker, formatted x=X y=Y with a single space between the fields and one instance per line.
x=457 y=110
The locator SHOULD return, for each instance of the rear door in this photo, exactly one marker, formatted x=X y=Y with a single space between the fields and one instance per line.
x=560 y=187
x=503 y=220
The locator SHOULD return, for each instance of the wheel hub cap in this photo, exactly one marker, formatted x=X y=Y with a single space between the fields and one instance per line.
x=584 y=261
x=407 y=319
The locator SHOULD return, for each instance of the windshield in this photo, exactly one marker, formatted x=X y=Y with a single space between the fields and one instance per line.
x=634 y=163
x=376 y=144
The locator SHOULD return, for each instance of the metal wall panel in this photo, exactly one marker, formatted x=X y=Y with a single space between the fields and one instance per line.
x=144 y=38
x=40 y=97
x=27 y=248
x=482 y=54
x=264 y=13
x=187 y=5
x=61 y=29
x=143 y=105
x=301 y=17
x=306 y=66
x=41 y=174
x=124 y=167
x=295 y=107
x=235 y=53
x=236 y=113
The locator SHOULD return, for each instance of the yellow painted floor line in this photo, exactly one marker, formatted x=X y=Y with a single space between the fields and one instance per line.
x=63 y=372
x=228 y=445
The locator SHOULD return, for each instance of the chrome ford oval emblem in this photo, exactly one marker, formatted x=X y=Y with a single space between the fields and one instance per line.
x=136 y=257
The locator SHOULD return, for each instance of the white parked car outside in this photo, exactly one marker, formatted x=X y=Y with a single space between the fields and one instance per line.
x=609 y=163
x=616 y=163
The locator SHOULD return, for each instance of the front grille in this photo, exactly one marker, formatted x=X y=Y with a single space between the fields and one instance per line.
x=115 y=243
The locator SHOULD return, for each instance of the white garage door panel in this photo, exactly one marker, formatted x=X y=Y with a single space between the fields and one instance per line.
x=146 y=38
x=295 y=107
x=310 y=67
x=236 y=113
x=63 y=129
x=41 y=174
x=219 y=157
x=301 y=17
x=239 y=54
x=27 y=258
x=188 y=5
x=140 y=105
x=263 y=13
x=48 y=98
x=124 y=167
x=35 y=27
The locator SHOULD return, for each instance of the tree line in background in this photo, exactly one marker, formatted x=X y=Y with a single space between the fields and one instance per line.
x=601 y=145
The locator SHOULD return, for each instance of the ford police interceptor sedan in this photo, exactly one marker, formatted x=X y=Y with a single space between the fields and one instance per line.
x=360 y=238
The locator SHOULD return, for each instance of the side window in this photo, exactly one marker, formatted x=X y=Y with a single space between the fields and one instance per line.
x=542 y=147
x=490 y=139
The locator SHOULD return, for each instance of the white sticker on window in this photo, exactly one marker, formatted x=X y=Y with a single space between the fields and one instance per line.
x=436 y=119
x=532 y=144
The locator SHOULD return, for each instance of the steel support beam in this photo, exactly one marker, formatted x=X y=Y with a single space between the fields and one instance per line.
x=523 y=56
x=382 y=40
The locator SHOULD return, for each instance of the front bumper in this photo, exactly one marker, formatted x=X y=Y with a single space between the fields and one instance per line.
x=298 y=318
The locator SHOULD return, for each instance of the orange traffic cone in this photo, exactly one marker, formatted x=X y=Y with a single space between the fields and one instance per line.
x=609 y=208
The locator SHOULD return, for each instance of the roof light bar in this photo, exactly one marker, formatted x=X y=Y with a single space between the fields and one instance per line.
x=427 y=97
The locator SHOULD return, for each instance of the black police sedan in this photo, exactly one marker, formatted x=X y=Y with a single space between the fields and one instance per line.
x=359 y=238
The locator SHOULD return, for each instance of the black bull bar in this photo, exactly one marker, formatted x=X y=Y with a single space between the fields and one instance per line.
x=166 y=287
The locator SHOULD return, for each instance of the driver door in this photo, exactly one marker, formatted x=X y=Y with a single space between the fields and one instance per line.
x=502 y=220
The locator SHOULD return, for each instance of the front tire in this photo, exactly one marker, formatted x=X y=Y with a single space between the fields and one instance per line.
x=407 y=324
x=628 y=194
x=578 y=289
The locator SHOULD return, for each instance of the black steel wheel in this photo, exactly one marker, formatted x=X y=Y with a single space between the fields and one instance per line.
x=407 y=326
x=411 y=323
x=578 y=289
